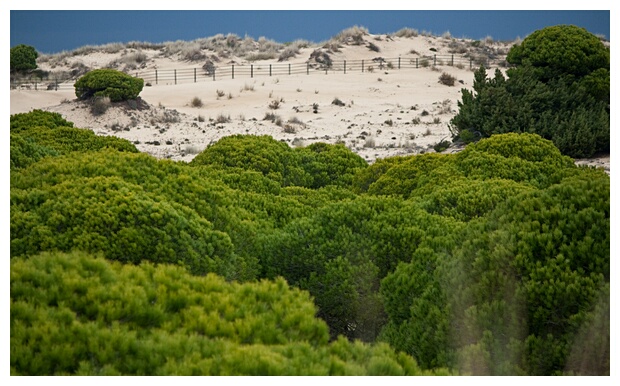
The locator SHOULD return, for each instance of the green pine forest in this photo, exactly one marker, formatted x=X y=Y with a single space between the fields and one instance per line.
x=256 y=258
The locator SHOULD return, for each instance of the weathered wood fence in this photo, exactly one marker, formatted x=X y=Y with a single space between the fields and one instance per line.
x=253 y=70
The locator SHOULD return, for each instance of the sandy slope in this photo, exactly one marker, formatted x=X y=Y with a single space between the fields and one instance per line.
x=386 y=112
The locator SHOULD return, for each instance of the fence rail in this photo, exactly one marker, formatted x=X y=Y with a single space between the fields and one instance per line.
x=213 y=73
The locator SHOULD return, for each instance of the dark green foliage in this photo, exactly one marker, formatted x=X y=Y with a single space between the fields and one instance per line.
x=25 y=151
x=560 y=50
x=23 y=58
x=536 y=268
x=418 y=315
x=72 y=314
x=511 y=298
x=441 y=146
x=341 y=252
x=114 y=84
x=559 y=89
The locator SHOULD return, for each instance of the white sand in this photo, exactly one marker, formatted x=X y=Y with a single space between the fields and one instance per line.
x=372 y=100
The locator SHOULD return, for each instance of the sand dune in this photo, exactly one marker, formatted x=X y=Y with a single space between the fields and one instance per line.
x=386 y=112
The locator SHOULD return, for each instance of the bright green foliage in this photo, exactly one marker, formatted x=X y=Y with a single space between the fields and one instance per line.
x=75 y=314
x=108 y=215
x=466 y=199
x=34 y=118
x=559 y=89
x=315 y=166
x=407 y=176
x=129 y=207
x=23 y=58
x=114 y=84
x=274 y=159
x=553 y=247
x=329 y=164
x=522 y=158
x=365 y=177
x=68 y=139
x=38 y=134
x=525 y=158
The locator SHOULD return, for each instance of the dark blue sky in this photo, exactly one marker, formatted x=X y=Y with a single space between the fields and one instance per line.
x=54 y=31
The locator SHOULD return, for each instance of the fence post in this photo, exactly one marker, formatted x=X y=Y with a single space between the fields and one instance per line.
x=416 y=62
x=434 y=60
x=156 y=79
x=214 y=74
x=55 y=84
x=194 y=75
x=399 y=62
x=289 y=69
x=452 y=60
x=175 y=76
x=251 y=71
x=233 y=71
x=362 y=65
x=470 y=63
x=345 y=66
x=270 y=70
x=307 y=68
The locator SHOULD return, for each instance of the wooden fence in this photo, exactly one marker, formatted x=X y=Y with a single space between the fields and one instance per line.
x=213 y=73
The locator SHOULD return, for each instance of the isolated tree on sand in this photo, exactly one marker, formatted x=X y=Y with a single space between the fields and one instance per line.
x=114 y=84
x=23 y=58
x=559 y=89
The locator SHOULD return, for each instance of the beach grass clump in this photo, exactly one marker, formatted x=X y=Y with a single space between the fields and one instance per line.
x=255 y=56
x=337 y=102
x=288 y=52
x=192 y=52
x=406 y=33
x=447 y=79
x=353 y=35
x=269 y=116
x=134 y=59
x=274 y=104
x=196 y=102
x=222 y=118
x=369 y=143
